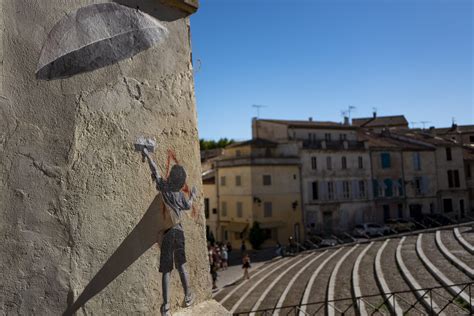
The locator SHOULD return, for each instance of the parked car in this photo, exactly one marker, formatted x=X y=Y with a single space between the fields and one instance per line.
x=400 y=225
x=370 y=230
x=328 y=242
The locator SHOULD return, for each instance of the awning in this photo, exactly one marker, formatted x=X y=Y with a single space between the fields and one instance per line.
x=237 y=227
x=271 y=225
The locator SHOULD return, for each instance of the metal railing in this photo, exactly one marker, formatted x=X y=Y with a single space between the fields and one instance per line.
x=422 y=305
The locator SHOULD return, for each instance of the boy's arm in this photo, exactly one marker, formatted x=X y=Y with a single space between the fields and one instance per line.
x=192 y=197
x=152 y=165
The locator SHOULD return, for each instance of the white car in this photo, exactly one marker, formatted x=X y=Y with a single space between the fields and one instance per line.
x=371 y=230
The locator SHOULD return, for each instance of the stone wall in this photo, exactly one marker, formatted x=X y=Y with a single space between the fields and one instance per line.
x=79 y=215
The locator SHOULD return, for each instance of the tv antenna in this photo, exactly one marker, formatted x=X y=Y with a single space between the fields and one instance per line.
x=424 y=123
x=258 y=107
x=413 y=124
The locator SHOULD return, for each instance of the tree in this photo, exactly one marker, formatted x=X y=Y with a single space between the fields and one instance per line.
x=212 y=144
x=256 y=236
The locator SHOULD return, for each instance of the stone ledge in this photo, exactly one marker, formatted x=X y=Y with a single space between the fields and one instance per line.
x=210 y=308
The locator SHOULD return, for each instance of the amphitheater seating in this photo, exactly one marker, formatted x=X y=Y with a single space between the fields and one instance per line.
x=429 y=272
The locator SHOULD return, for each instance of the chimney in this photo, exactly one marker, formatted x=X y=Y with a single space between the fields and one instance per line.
x=346 y=120
x=310 y=118
x=375 y=114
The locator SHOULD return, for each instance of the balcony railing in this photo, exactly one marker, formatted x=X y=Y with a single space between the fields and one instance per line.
x=339 y=144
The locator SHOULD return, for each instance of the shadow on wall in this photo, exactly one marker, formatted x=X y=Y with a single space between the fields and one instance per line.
x=142 y=237
x=100 y=35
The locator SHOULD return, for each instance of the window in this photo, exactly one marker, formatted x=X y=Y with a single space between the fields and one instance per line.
x=267 y=179
x=238 y=181
x=468 y=171
x=361 y=163
x=267 y=209
x=223 y=181
x=330 y=190
x=329 y=163
x=239 y=209
x=385 y=160
x=457 y=184
x=416 y=161
x=453 y=179
x=345 y=189
x=471 y=139
x=214 y=211
x=327 y=137
x=448 y=205
x=344 y=163
x=314 y=187
x=448 y=154
x=238 y=153
x=362 y=193
x=417 y=182
x=206 y=207
x=450 y=179
x=343 y=137
x=224 y=208
x=314 y=163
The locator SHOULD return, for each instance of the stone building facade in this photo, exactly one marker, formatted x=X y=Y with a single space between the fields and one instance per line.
x=257 y=181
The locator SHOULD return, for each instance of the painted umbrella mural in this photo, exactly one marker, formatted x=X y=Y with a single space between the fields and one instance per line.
x=96 y=36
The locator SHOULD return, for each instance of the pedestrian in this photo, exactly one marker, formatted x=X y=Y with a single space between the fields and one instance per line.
x=229 y=247
x=246 y=266
x=279 y=249
x=224 y=257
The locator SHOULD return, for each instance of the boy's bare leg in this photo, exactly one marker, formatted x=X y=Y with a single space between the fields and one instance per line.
x=183 y=274
x=165 y=284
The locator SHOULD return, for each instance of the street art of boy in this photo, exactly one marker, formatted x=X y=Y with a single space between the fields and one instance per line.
x=173 y=243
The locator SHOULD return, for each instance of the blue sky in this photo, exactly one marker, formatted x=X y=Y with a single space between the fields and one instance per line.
x=314 y=58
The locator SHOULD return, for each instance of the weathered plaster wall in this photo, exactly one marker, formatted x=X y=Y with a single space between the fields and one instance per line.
x=77 y=206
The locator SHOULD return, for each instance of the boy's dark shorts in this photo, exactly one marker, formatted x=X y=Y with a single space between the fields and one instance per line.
x=172 y=249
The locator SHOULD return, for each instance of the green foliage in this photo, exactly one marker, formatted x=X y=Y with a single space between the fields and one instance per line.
x=256 y=236
x=212 y=144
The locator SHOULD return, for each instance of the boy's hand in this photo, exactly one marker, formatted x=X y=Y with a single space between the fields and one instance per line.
x=193 y=192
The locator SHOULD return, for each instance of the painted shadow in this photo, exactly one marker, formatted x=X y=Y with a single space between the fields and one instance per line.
x=147 y=232
x=96 y=36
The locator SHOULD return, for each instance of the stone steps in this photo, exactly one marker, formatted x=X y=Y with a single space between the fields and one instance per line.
x=295 y=288
x=400 y=263
x=340 y=285
x=364 y=282
x=247 y=299
x=455 y=260
x=316 y=288
x=273 y=291
x=463 y=235
x=396 y=280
